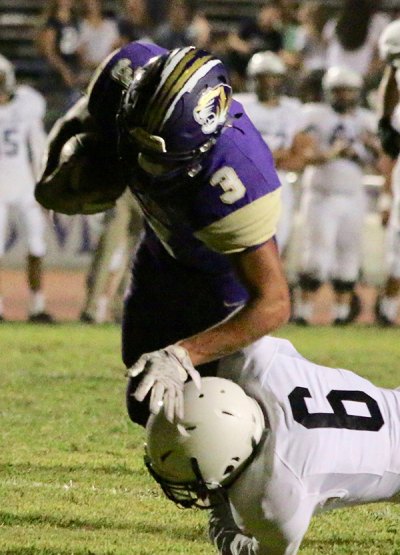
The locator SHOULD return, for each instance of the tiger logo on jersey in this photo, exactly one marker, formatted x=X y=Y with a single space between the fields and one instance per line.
x=212 y=108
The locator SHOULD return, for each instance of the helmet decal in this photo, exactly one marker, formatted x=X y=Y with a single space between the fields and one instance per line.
x=212 y=108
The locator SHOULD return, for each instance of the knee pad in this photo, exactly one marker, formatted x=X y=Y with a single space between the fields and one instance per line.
x=309 y=283
x=341 y=286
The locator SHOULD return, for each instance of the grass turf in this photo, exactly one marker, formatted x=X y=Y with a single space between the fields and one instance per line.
x=72 y=481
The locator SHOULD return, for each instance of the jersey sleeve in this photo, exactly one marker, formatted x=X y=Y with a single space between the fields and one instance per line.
x=33 y=102
x=249 y=226
x=240 y=204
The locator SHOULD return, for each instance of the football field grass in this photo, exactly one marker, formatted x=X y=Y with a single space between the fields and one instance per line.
x=72 y=480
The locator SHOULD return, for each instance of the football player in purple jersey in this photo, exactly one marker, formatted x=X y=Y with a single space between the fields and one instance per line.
x=207 y=278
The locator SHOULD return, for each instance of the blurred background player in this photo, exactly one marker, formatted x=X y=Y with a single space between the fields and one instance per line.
x=288 y=440
x=333 y=203
x=22 y=144
x=387 y=304
x=110 y=269
x=278 y=118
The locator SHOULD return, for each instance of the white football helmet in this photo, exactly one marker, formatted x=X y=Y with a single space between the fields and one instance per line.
x=206 y=450
x=7 y=76
x=265 y=62
x=341 y=77
x=342 y=88
x=389 y=43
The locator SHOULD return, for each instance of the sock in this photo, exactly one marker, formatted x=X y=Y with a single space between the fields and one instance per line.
x=304 y=309
x=101 y=309
x=36 y=304
x=341 y=310
x=389 y=307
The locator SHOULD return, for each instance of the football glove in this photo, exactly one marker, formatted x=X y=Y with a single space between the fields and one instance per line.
x=389 y=137
x=165 y=372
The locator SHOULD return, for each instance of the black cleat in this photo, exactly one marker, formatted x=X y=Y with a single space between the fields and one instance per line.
x=41 y=318
x=355 y=310
x=300 y=321
x=380 y=318
x=85 y=318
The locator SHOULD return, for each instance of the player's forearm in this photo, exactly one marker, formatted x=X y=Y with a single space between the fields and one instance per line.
x=257 y=318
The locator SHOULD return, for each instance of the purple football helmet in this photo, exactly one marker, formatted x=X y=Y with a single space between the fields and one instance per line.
x=175 y=108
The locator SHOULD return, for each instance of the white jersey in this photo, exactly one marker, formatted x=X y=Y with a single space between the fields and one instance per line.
x=22 y=143
x=359 y=59
x=339 y=176
x=277 y=124
x=333 y=440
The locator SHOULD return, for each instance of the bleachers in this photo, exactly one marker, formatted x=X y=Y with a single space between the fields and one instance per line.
x=19 y=21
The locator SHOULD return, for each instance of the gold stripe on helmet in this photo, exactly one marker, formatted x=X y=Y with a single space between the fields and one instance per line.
x=172 y=86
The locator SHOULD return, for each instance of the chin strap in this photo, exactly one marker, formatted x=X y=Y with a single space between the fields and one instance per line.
x=240 y=469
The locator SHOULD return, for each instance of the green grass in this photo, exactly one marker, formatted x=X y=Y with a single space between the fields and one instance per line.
x=72 y=481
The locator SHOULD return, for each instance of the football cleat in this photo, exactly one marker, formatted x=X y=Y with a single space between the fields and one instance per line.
x=41 y=318
x=86 y=318
x=300 y=321
x=381 y=318
x=355 y=310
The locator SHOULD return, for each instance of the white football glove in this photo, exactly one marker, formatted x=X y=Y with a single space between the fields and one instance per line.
x=165 y=372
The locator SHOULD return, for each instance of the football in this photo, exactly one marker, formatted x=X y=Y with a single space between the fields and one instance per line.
x=87 y=179
x=93 y=166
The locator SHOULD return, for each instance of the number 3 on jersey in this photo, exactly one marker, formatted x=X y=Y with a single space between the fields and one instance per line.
x=339 y=418
x=230 y=183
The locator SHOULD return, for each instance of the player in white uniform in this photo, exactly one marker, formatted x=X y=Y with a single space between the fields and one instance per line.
x=278 y=118
x=387 y=305
x=333 y=203
x=304 y=438
x=22 y=143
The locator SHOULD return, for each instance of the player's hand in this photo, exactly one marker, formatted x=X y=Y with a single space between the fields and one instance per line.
x=164 y=373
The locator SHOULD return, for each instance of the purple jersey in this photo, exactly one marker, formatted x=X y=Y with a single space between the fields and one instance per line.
x=231 y=205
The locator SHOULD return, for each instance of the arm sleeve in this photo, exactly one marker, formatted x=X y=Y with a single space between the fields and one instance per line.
x=250 y=226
